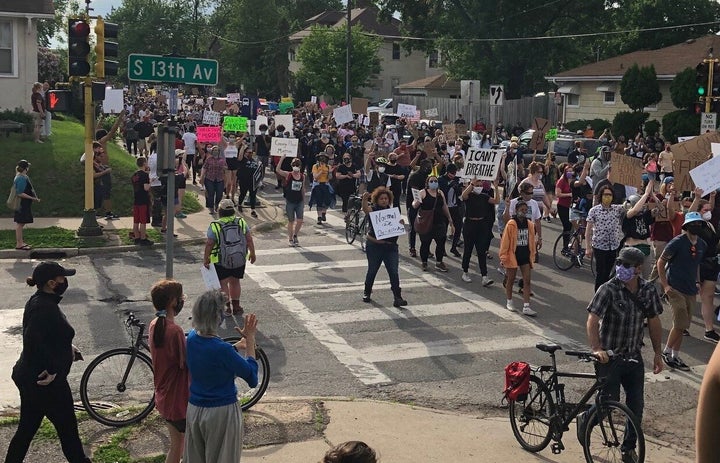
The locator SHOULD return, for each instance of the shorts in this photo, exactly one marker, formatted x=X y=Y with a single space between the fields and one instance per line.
x=224 y=273
x=294 y=210
x=709 y=269
x=39 y=122
x=141 y=213
x=682 y=306
x=232 y=163
x=178 y=424
x=181 y=182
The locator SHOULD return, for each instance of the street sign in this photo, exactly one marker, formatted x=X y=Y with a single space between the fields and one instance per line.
x=173 y=101
x=170 y=69
x=708 y=122
x=497 y=93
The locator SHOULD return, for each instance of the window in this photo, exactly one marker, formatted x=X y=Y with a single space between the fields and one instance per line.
x=609 y=97
x=6 y=47
x=434 y=59
x=396 y=51
x=650 y=108
x=572 y=99
x=291 y=54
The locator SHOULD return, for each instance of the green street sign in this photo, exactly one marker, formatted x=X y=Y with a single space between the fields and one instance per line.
x=170 y=69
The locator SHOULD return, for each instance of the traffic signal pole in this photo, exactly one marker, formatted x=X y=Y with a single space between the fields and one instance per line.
x=89 y=225
x=709 y=96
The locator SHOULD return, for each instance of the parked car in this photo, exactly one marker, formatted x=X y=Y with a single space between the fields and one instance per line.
x=383 y=106
x=564 y=144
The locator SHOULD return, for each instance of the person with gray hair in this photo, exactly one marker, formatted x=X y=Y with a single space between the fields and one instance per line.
x=214 y=418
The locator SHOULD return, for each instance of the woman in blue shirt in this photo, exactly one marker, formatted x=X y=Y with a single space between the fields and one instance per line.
x=23 y=215
x=214 y=418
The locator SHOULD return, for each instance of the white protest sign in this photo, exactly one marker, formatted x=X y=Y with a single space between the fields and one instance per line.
x=432 y=112
x=286 y=120
x=682 y=139
x=261 y=120
x=313 y=99
x=233 y=97
x=715 y=148
x=343 y=114
x=211 y=118
x=482 y=163
x=707 y=175
x=386 y=223
x=287 y=147
x=113 y=102
x=210 y=277
x=416 y=194
x=406 y=110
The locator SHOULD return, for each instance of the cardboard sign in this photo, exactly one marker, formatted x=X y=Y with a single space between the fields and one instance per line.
x=199 y=101
x=482 y=163
x=113 y=102
x=233 y=97
x=211 y=118
x=449 y=131
x=374 y=119
x=286 y=120
x=287 y=147
x=626 y=170
x=359 y=105
x=235 y=124
x=541 y=127
x=219 y=105
x=432 y=112
x=662 y=214
x=386 y=223
x=460 y=130
x=209 y=134
x=689 y=155
x=406 y=110
x=343 y=115
x=707 y=175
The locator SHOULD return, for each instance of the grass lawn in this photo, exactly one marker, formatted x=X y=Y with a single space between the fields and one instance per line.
x=58 y=176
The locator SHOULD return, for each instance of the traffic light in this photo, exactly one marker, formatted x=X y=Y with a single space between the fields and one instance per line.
x=701 y=78
x=59 y=100
x=715 y=89
x=78 y=47
x=104 y=49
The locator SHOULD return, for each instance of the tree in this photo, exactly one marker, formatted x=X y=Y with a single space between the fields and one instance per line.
x=639 y=87
x=322 y=58
x=683 y=91
x=49 y=66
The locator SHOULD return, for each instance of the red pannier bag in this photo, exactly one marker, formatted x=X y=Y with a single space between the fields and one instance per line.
x=517 y=381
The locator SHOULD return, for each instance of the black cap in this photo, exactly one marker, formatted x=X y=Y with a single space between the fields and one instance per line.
x=23 y=164
x=46 y=271
x=632 y=256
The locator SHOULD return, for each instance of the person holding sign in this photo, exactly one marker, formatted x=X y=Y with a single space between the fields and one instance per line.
x=480 y=199
x=294 y=186
x=379 y=251
x=432 y=201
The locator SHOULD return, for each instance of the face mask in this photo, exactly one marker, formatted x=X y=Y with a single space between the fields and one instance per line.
x=296 y=169
x=180 y=305
x=433 y=185
x=607 y=200
x=381 y=170
x=347 y=161
x=569 y=175
x=520 y=215
x=60 y=288
x=477 y=190
x=623 y=273
x=694 y=229
x=540 y=177
x=707 y=216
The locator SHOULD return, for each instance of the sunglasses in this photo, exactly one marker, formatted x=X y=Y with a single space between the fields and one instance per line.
x=692 y=250
x=624 y=264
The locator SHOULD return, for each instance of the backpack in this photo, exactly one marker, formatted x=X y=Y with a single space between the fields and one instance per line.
x=232 y=245
x=517 y=381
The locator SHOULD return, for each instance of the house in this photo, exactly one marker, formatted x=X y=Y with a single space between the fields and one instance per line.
x=18 y=49
x=397 y=66
x=438 y=86
x=593 y=90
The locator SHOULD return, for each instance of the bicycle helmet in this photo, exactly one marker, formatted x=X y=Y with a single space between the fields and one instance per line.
x=381 y=160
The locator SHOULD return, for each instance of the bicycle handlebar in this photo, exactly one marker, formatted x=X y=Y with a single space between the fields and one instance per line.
x=586 y=355
x=132 y=320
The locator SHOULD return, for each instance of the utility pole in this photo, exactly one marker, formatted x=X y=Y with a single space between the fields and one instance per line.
x=347 y=53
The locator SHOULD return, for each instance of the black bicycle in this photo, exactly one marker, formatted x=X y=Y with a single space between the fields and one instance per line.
x=544 y=415
x=117 y=387
x=356 y=222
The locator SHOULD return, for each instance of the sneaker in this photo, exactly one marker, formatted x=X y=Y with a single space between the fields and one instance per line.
x=291 y=243
x=454 y=252
x=366 y=298
x=295 y=240
x=466 y=277
x=180 y=215
x=440 y=266
x=137 y=241
x=413 y=252
x=254 y=214
x=509 y=305
x=668 y=359
x=629 y=456
x=547 y=219
x=686 y=333
x=528 y=311
x=424 y=266
x=712 y=336
x=146 y=242
x=324 y=219
x=486 y=281
x=319 y=222
x=680 y=365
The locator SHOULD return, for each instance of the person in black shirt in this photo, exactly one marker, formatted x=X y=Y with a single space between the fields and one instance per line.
x=41 y=371
x=450 y=186
x=480 y=200
x=347 y=175
x=379 y=251
x=141 y=202
x=249 y=177
x=577 y=155
x=397 y=175
x=432 y=200
x=416 y=181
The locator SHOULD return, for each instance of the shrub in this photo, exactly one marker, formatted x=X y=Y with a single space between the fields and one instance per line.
x=598 y=125
x=651 y=127
x=17 y=115
x=680 y=123
x=629 y=123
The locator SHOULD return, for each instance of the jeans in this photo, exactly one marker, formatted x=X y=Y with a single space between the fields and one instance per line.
x=630 y=374
x=213 y=193
x=604 y=263
x=500 y=221
x=437 y=233
x=476 y=234
x=412 y=236
x=378 y=254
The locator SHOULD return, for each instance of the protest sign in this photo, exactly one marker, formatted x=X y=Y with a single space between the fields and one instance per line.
x=482 y=163
x=551 y=135
x=541 y=127
x=233 y=97
x=209 y=134
x=626 y=170
x=416 y=194
x=313 y=99
x=343 y=114
x=210 y=277
x=200 y=101
x=327 y=109
x=386 y=223
x=235 y=124
x=211 y=118
x=690 y=154
x=287 y=147
x=715 y=148
x=113 y=102
x=219 y=105
x=286 y=107
x=286 y=120
x=432 y=112
x=406 y=110
x=707 y=175
x=359 y=105
x=374 y=118
x=261 y=120
x=449 y=131
x=460 y=130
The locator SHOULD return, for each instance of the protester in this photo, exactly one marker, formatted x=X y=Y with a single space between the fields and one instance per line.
x=141 y=202
x=230 y=146
x=432 y=201
x=602 y=235
x=451 y=188
x=636 y=225
x=517 y=251
x=23 y=214
x=480 y=200
x=320 y=193
x=709 y=267
x=38 y=111
x=294 y=192
x=347 y=175
x=416 y=181
x=212 y=176
x=41 y=372
x=191 y=147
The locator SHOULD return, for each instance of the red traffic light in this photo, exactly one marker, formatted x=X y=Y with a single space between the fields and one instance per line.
x=79 y=28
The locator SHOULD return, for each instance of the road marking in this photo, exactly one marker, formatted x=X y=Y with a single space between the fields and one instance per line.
x=363 y=370
x=418 y=350
x=412 y=311
x=305 y=266
x=692 y=378
x=351 y=287
x=307 y=250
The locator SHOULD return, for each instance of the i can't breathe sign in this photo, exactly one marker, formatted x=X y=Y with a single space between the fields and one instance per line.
x=482 y=164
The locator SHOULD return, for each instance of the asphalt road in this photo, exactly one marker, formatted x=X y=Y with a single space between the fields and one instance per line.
x=446 y=350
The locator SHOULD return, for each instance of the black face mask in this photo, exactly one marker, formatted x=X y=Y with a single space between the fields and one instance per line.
x=60 y=288
x=180 y=305
x=694 y=229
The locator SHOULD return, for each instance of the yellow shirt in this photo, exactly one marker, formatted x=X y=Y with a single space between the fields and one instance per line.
x=321 y=173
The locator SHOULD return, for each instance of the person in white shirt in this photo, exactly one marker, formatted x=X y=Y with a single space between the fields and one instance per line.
x=155 y=187
x=190 y=144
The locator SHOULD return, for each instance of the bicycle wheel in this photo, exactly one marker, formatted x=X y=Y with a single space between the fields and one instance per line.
x=562 y=257
x=530 y=418
x=608 y=426
x=117 y=387
x=249 y=396
x=350 y=232
x=362 y=232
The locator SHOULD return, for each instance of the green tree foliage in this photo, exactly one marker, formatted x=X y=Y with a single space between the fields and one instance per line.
x=322 y=57
x=683 y=91
x=57 y=27
x=680 y=123
x=629 y=123
x=639 y=87
x=49 y=66
x=651 y=127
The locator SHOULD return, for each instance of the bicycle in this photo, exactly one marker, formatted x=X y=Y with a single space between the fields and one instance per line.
x=117 y=388
x=544 y=414
x=356 y=222
x=574 y=254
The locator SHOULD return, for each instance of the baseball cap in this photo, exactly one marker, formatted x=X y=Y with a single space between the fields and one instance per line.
x=226 y=204
x=667 y=180
x=46 y=271
x=23 y=164
x=630 y=255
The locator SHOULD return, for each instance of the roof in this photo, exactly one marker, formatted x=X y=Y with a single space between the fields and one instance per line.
x=441 y=81
x=668 y=61
x=27 y=8
x=366 y=17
